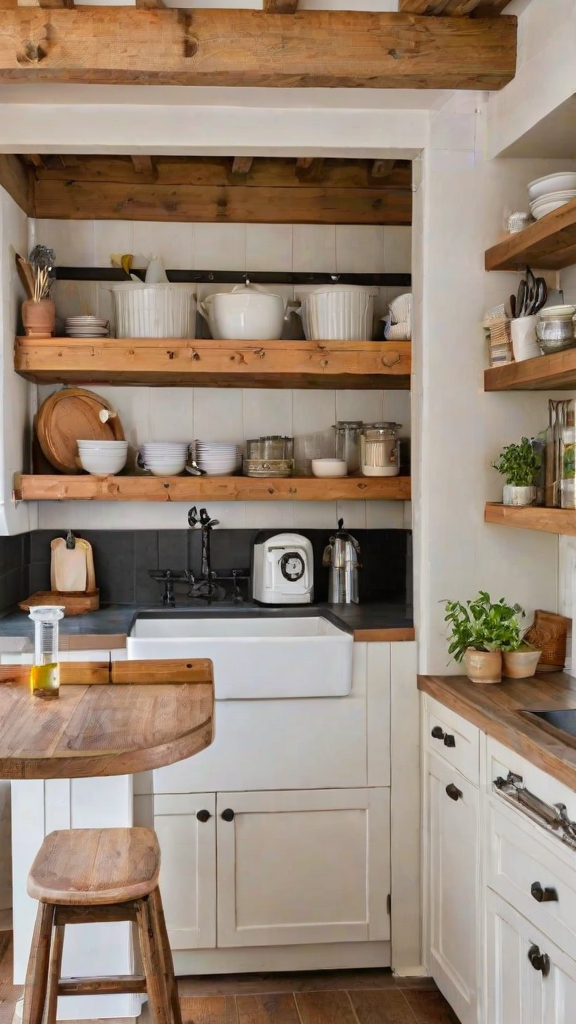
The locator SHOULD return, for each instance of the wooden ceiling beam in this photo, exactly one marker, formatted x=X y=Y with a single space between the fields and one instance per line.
x=241 y=166
x=18 y=180
x=230 y=47
x=454 y=8
x=280 y=6
x=309 y=168
x=49 y=5
x=143 y=165
x=382 y=169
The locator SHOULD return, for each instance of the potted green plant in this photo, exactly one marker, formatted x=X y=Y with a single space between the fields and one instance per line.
x=520 y=662
x=479 y=631
x=520 y=465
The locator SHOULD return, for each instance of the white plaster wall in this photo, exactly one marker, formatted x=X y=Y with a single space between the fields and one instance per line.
x=231 y=414
x=459 y=211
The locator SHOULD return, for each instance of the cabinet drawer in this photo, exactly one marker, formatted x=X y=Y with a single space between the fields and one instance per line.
x=533 y=872
x=451 y=737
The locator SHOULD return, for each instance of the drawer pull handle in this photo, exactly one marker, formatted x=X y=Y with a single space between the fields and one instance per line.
x=228 y=814
x=437 y=733
x=540 y=961
x=453 y=792
x=449 y=741
x=203 y=815
x=541 y=895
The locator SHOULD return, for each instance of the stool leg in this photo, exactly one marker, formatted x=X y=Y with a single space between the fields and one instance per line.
x=37 y=972
x=170 y=980
x=152 y=962
x=54 y=972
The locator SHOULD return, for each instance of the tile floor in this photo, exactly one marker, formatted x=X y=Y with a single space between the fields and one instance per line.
x=327 y=997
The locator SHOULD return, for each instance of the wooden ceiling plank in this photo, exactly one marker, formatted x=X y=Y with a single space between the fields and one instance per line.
x=280 y=6
x=454 y=8
x=307 y=204
x=309 y=168
x=49 y=5
x=234 y=47
x=18 y=180
x=241 y=166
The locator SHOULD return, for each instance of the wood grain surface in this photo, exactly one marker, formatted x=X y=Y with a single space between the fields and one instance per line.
x=210 y=488
x=101 y=730
x=532 y=517
x=553 y=372
x=497 y=710
x=95 y=866
x=201 y=362
x=549 y=243
x=322 y=49
x=70 y=415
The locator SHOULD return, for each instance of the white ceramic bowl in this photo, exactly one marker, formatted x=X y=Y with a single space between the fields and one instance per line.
x=100 y=443
x=338 y=313
x=329 y=467
x=560 y=181
x=166 y=468
x=102 y=465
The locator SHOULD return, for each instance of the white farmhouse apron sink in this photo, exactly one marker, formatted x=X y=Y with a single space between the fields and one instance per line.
x=256 y=655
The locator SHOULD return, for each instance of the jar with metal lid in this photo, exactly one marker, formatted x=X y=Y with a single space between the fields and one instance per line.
x=379 y=453
x=348 y=442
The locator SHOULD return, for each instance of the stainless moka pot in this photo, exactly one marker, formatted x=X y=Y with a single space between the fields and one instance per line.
x=342 y=557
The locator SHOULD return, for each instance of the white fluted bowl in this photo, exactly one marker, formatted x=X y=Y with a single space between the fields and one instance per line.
x=154 y=310
x=344 y=313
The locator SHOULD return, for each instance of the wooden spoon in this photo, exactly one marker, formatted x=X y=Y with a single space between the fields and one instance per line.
x=26 y=275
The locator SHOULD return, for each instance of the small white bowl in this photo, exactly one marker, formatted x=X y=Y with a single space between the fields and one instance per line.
x=103 y=465
x=329 y=467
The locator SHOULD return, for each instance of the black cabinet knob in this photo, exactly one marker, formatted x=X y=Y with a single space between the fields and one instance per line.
x=449 y=741
x=540 y=961
x=453 y=792
x=203 y=815
x=437 y=733
x=541 y=895
x=228 y=814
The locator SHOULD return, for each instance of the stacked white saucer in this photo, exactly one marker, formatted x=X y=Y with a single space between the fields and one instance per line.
x=551 y=192
x=86 y=327
x=217 y=458
x=163 y=458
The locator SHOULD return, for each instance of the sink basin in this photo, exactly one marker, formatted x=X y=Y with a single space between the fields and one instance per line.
x=257 y=654
x=563 y=721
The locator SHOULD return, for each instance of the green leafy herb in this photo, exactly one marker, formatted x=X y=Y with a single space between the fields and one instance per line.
x=519 y=463
x=483 y=625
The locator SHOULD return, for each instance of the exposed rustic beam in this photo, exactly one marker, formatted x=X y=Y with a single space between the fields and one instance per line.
x=18 y=181
x=309 y=168
x=454 y=8
x=280 y=6
x=122 y=45
x=306 y=204
x=382 y=168
x=143 y=165
x=241 y=166
x=150 y=5
x=53 y=5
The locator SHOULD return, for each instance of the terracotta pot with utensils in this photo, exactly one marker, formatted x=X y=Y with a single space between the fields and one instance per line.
x=39 y=318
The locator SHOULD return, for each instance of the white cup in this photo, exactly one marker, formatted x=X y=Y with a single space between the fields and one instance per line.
x=524 y=340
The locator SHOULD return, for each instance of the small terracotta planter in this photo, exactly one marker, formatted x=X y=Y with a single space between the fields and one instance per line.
x=520 y=664
x=39 y=318
x=483 y=666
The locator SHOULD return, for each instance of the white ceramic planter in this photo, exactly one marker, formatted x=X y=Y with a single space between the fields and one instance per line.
x=519 y=496
x=338 y=314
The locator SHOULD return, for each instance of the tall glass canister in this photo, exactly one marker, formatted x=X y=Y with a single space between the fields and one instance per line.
x=45 y=671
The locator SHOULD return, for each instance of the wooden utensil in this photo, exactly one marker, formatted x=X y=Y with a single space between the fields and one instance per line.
x=26 y=275
x=69 y=415
x=68 y=567
x=90 y=574
x=73 y=604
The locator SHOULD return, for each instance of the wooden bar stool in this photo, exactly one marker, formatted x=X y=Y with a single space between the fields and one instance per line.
x=82 y=876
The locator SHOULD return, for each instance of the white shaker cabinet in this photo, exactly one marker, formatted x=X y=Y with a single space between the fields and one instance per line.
x=529 y=980
x=186 y=828
x=452 y=885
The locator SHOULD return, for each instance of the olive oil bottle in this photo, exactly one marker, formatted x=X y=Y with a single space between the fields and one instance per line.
x=45 y=671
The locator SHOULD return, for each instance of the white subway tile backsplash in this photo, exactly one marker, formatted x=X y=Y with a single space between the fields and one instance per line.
x=396 y=407
x=172 y=414
x=315 y=515
x=72 y=241
x=173 y=243
x=360 y=405
x=269 y=515
x=359 y=249
x=218 y=414
x=385 y=515
x=313 y=410
x=269 y=247
x=353 y=513
x=220 y=246
x=314 y=248
x=267 y=411
x=397 y=249
x=112 y=236
x=133 y=407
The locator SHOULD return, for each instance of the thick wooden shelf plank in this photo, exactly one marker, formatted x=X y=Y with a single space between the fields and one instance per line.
x=555 y=372
x=549 y=244
x=206 y=363
x=208 y=488
x=548 y=520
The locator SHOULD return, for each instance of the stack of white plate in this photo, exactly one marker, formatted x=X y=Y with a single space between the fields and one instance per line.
x=217 y=458
x=102 y=457
x=163 y=458
x=86 y=327
x=551 y=192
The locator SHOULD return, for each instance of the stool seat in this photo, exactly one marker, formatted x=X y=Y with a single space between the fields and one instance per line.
x=95 y=866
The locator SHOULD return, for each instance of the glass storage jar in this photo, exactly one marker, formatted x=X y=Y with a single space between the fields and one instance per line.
x=348 y=442
x=379 y=453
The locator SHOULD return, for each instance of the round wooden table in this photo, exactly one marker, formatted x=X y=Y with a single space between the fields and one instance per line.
x=121 y=719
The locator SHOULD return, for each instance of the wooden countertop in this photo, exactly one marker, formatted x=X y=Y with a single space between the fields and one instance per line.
x=497 y=710
x=129 y=719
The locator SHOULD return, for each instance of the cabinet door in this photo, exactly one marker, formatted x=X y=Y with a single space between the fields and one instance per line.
x=303 y=867
x=518 y=989
x=188 y=867
x=452 y=885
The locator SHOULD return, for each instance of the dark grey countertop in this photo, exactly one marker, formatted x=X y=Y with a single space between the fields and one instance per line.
x=377 y=617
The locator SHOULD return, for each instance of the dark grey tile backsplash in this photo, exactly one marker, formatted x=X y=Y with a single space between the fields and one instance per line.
x=123 y=557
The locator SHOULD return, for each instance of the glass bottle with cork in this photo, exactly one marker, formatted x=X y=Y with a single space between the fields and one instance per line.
x=45 y=671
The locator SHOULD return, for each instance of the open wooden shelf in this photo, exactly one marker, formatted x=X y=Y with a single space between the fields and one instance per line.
x=548 y=244
x=556 y=372
x=209 y=488
x=206 y=363
x=548 y=520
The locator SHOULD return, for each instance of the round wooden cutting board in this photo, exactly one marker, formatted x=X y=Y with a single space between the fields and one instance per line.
x=69 y=415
